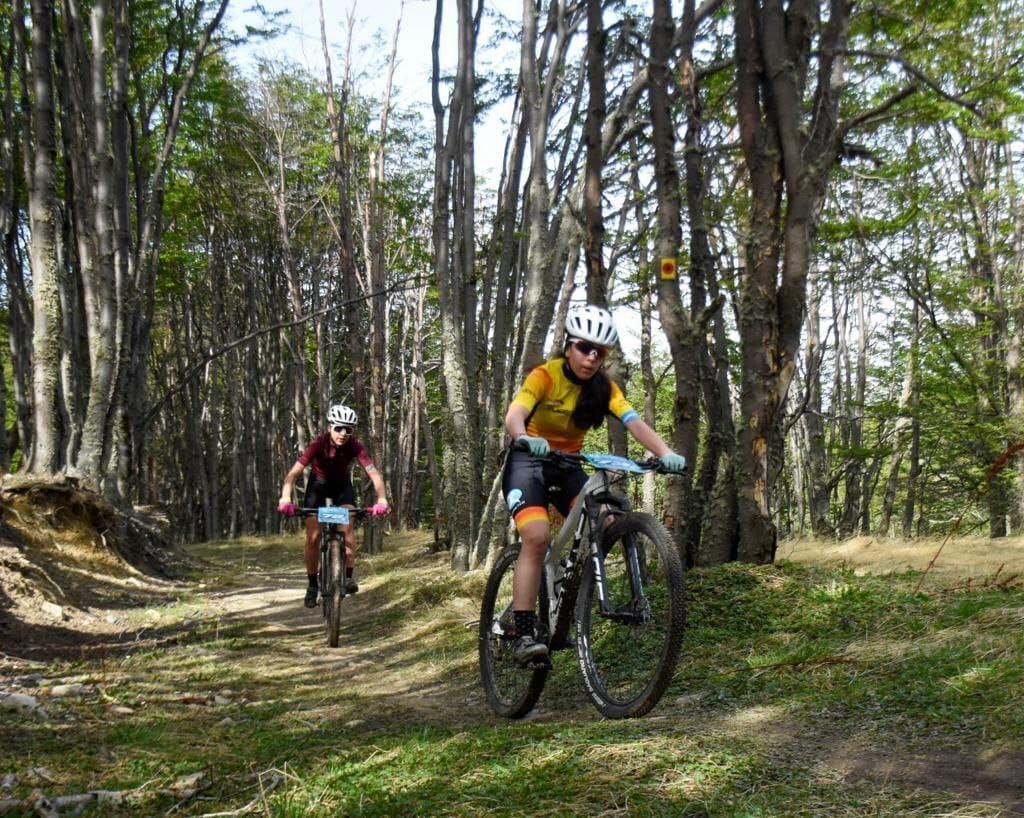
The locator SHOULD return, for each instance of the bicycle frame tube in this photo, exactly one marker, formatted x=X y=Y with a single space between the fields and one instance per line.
x=570 y=533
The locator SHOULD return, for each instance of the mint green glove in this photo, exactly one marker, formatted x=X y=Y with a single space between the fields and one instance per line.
x=673 y=463
x=536 y=446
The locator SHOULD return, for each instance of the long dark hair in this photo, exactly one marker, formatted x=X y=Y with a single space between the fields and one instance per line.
x=594 y=396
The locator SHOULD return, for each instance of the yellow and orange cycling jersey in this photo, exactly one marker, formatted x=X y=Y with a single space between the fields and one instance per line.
x=551 y=396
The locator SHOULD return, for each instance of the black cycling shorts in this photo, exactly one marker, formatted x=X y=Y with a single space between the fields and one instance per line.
x=340 y=494
x=531 y=482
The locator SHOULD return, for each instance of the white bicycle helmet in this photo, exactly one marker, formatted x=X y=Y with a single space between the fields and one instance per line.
x=592 y=324
x=341 y=415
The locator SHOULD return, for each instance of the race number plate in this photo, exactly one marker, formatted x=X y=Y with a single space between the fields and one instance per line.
x=332 y=514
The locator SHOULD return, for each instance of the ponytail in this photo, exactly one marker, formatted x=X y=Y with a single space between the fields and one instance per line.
x=592 y=406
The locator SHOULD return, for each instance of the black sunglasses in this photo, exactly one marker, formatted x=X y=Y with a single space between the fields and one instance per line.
x=346 y=429
x=587 y=349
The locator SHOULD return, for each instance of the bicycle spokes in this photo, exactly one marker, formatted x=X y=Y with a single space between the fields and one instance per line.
x=630 y=618
x=511 y=690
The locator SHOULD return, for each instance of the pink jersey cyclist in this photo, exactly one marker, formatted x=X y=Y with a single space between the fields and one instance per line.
x=332 y=464
x=329 y=457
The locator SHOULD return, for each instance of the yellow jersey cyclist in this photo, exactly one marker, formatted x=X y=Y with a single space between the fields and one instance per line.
x=559 y=401
x=330 y=457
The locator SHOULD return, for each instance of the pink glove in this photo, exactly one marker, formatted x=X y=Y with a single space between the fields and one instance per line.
x=287 y=509
x=379 y=509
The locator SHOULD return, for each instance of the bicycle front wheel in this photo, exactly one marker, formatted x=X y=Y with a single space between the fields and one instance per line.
x=511 y=691
x=332 y=590
x=628 y=651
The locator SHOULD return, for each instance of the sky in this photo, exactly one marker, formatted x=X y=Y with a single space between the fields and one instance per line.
x=375 y=22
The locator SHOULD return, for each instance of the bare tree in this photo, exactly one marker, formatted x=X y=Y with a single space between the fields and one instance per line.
x=453 y=269
x=681 y=331
x=789 y=156
x=542 y=275
x=15 y=168
x=42 y=198
x=818 y=485
x=373 y=226
x=593 y=242
x=341 y=166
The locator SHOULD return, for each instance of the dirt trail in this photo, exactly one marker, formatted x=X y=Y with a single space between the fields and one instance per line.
x=383 y=666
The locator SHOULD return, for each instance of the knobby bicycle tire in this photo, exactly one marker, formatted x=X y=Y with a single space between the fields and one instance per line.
x=511 y=691
x=333 y=590
x=627 y=659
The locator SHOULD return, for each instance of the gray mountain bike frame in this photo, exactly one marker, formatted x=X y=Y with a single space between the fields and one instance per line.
x=595 y=504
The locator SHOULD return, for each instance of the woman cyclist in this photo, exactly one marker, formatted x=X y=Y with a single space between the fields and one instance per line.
x=559 y=401
x=330 y=457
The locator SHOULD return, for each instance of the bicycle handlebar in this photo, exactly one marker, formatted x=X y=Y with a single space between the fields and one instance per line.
x=579 y=458
x=357 y=513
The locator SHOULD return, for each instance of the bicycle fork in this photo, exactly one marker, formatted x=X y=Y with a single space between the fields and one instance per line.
x=637 y=611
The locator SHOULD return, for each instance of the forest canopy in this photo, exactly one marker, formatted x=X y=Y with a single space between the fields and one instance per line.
x=805 y=217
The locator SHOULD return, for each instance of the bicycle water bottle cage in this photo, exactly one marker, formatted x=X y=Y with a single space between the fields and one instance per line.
x=332 y=514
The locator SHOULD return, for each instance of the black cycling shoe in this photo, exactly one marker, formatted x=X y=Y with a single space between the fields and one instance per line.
x=311 y=594
x=528 y=652
x=351 y=586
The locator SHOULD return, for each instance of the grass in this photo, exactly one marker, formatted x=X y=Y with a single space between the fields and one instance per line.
x=862 y=648
x=791 y=675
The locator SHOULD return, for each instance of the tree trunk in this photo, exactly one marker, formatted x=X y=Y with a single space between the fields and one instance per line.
x=650 y=384
x=788 y=161
x=13 y=150
x=541 y=278
x=682 y=334
x=374 y=537
x=20 y=318
x=593 y=242
x=356 y=342
x=507 y=296
x=818 y=491
x=855 y=411
x=709 y=376
x=301 y=416
x=453 y=157
x=914 y=461
x=42 y=198
x=98 y=271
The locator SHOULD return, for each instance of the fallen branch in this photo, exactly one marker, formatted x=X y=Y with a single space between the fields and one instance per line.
x=817 y=661
x=46 y=807
x=276 y=780
x=1007 y=583
x=186 y=788
x=997 y=466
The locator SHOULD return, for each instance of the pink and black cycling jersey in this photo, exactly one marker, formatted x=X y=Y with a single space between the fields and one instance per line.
x=333 y=464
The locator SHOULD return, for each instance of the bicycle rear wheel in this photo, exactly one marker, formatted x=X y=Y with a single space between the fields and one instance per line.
x=511 y=691
x=627 y=657
x=331 y=588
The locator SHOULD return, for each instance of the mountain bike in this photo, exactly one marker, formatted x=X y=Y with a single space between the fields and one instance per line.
x=332 y=561
x=611 y=574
